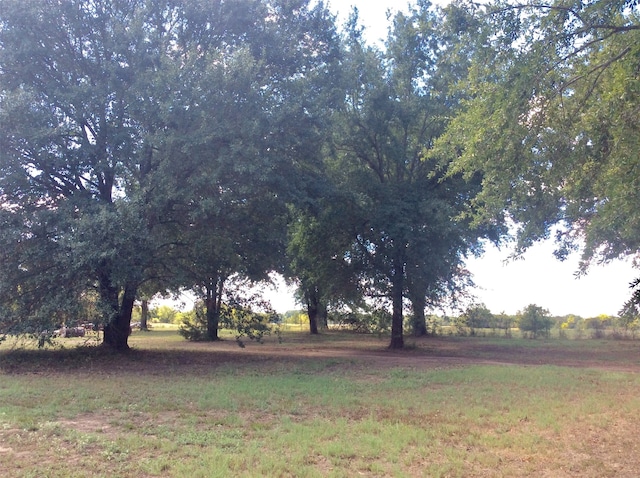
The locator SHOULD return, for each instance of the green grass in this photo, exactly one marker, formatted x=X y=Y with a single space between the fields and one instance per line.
x=91 y=413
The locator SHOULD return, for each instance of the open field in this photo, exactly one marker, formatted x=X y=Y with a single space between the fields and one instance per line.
x=333 y=405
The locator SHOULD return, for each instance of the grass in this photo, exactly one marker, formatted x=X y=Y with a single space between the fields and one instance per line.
x=311 y=407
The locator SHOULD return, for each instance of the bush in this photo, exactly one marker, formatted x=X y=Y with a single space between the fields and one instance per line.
x=194 y=324
x=250 y=324
x=242 y=319
x=375 y=320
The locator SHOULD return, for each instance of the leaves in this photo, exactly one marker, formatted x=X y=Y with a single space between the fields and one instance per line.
x=141 y=137
x=547 y=122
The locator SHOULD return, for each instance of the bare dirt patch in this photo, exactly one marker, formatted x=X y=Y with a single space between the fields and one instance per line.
x=87 y=424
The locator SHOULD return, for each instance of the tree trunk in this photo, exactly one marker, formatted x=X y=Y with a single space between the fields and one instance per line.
x=144 y=315
x=213 y=303
x=313 y=307
x=312 y=312
x=117 y=323
x=397 y=286
x=416 y=291
x=323 y=316
x=419 y=324
x=117 y=331
x=213 y=320
x=418 y=304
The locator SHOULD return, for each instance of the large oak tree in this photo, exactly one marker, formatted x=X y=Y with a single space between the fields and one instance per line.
x=123 y=123
x=415 y=227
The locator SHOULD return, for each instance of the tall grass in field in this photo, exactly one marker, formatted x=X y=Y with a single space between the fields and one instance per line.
x=177 y=409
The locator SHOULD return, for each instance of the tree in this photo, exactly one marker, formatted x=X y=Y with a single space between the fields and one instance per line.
x=505 y=322
x=535 y=320
x=74 y=156
x=413 y=229
x=318 y=239
x=120 y=117
x=225 y=243
x=255 y=148
x=144 y=314
x=164 y=314
x=477 y=316
x=552 y=121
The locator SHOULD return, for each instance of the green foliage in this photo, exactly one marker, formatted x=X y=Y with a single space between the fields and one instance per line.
x=164 y=314
x=240 y=315
x=194 y=324
x=535 y=321
x=249 y=324
x=366 y=320
x=411 y=230
x=630 y=322
x=136 y=158
x=133 y=154
x=505 y=322
x=255 y=147
x=318 y=238
x=629 y=315
x=77 y=154
x=551 y=120
x=477 y=317
x=297 y=317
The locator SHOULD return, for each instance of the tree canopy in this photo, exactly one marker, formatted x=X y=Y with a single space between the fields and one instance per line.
x=161 y=146
x=128 y=124
x=552 y=120
x=414 y=229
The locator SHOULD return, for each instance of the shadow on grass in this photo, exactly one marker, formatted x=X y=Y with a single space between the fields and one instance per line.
x=161 y=353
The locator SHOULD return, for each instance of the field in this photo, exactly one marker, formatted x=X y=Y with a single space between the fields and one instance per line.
x=335 y=405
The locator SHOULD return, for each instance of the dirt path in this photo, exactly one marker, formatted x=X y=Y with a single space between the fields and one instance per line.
x=156 y=355
x=441 y=351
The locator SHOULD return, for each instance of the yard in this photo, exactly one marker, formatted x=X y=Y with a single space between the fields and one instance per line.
x=338 y=404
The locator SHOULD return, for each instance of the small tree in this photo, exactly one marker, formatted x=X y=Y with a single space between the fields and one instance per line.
x=504 y=322
x=535 y=321
x=193 y=326
x=478 y=316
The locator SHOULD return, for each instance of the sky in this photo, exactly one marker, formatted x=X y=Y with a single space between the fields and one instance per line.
x=538 y=278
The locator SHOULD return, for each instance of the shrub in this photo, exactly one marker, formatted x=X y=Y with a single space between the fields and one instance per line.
x=194 y=324
x=376 y=320
x=250 y=324
x=245 y=321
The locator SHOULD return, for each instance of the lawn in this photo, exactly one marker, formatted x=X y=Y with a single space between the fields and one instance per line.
x=333 y=405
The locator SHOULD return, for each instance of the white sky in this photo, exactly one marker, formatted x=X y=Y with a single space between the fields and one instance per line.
x=538 y=278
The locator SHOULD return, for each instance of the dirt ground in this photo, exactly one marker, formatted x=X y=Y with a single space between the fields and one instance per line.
x=428 y=352
x=151 y=355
